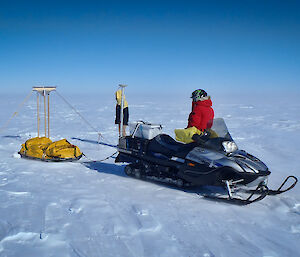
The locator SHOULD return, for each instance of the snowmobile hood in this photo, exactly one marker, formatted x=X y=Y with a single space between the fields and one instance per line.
x=239 y=161
x=249 y=162
x=199 y=154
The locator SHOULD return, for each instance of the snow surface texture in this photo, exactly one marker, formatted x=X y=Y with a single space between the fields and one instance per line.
x=94 y=209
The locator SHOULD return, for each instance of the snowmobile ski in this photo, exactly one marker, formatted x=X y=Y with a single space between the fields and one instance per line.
x=262 y=191
x=279 y=190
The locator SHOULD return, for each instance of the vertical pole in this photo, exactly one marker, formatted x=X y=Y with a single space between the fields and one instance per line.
x=121 y=113
x=38 y=114
x=48 y=115
x=45 y=115
x=122 y=106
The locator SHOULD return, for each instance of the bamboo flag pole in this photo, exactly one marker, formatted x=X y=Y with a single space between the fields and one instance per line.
x=45 y=113
x=121 y=111
x=48 y=115
x=38 y=114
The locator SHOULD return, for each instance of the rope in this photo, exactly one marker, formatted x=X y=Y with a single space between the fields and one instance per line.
x=16 y=112
x=90 y=160
x=89 y=124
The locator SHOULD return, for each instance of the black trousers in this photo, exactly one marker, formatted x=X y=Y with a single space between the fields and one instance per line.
x=125 y=115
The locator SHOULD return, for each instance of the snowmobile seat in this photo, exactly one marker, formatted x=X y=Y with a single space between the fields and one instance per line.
x=166 y=145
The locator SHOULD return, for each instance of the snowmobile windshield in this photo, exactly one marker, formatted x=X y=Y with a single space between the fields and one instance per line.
x=219 y=138
x=220 y=130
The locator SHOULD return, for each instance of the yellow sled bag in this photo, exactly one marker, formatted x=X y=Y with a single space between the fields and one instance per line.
x=67 y=153
x=185 y=135
x=63 y=149
x=44 y=149
x=35 y=147
x=41 y=141
x=35 y=151
x=56 y=146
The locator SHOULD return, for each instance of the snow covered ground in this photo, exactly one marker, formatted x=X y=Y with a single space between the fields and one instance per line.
x=94 y=209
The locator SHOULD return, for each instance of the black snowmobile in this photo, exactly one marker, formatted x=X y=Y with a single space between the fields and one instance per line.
x=211 y=160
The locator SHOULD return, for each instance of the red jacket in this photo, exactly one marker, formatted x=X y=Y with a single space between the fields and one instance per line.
x=202 y=115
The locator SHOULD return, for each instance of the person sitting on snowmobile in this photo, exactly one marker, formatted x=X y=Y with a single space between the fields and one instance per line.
x=200 y=118
x=118 y=112
x=202 y=114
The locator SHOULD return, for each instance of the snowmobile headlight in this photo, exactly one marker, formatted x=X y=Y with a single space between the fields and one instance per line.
x=229 y=146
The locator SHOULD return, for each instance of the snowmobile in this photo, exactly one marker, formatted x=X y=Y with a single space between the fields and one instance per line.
x=213 y=159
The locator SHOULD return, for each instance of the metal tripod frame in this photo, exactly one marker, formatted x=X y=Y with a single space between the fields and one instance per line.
x=45 y=92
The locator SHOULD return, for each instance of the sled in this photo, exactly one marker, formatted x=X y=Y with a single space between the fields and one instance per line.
x=42 y=148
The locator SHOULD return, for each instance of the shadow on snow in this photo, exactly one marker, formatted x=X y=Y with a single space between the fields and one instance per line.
x=107 y=168
x=118 y=170
x=11 y=136
x=94 y=142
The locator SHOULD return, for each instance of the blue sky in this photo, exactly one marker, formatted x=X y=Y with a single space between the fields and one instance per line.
x=221 y=46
